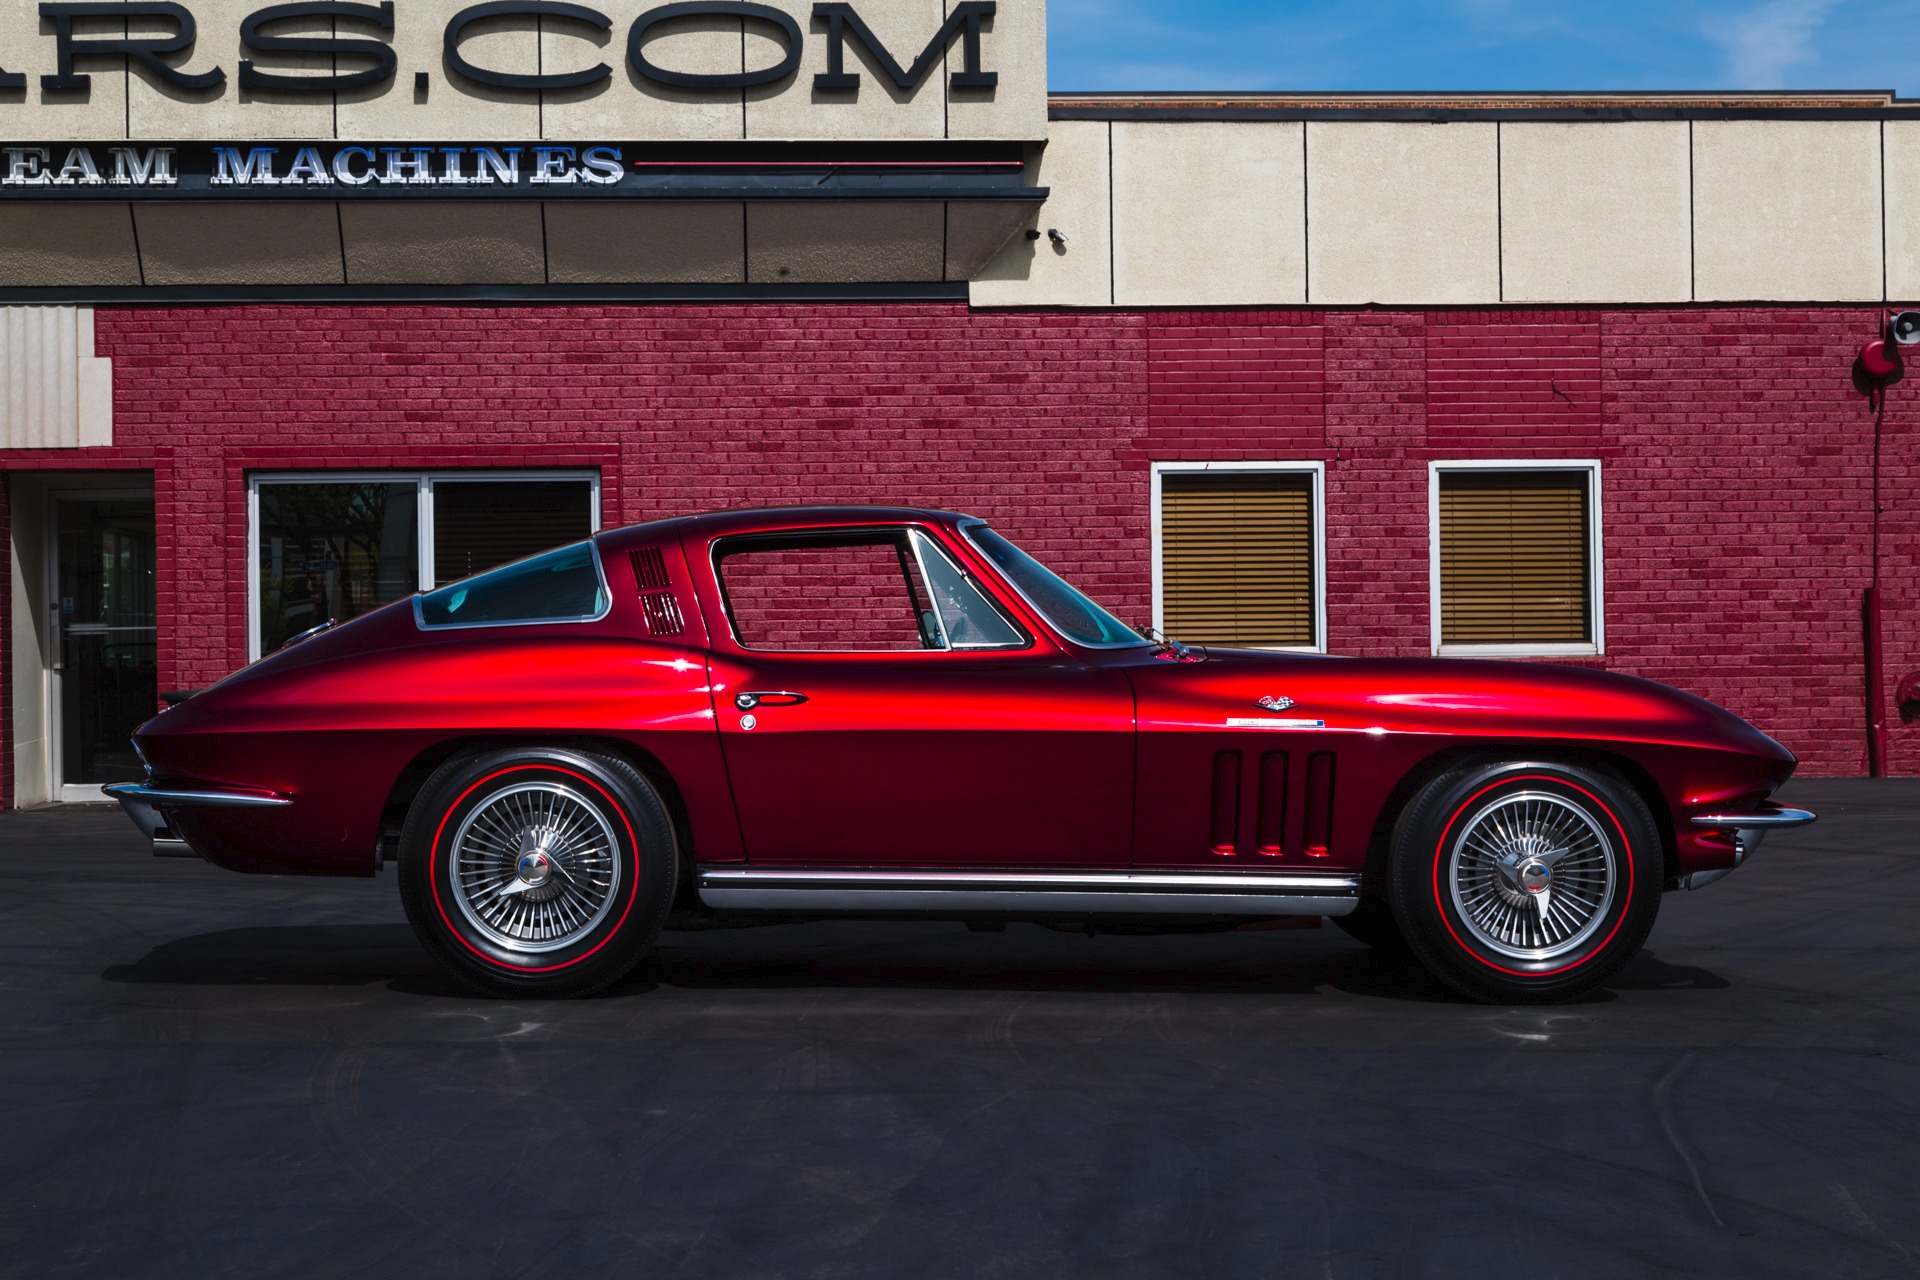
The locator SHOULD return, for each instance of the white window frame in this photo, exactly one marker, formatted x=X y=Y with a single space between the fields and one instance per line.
x=424 y=482
x=1596 y=584
x=1318 y=472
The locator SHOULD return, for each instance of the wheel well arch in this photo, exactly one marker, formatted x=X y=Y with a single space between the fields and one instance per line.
x=1627 y=770
x=400 y=796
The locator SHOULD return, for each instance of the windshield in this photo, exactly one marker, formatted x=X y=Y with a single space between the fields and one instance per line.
x=1072 y=614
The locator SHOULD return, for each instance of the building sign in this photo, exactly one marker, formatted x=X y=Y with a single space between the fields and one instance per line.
x=83 y=32
x=500 y=170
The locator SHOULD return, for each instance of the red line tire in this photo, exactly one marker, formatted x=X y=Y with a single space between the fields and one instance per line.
x=537 y=871
x=1525 y=883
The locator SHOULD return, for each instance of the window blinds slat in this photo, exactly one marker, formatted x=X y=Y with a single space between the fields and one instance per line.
x=1237 y=557
x=1514 y=562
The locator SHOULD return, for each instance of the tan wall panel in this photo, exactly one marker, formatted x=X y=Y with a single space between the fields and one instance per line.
x=67 y=245
x=162 y=112
x=1402 y=213
x=645 y=242
x=100 y=112
x=878 y=109
x=1595 y=212
x=1039 y=273
x=442 y=242
x=626 y=107
x=54 y=392
x=1013 y=44
x=1208 y=214
x=1903 y=209
x=453 y=109
x=844 y=242
x=239 y=243
x=1786 y=210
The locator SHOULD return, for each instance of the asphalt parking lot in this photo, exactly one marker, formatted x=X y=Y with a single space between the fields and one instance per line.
x=204 y=1074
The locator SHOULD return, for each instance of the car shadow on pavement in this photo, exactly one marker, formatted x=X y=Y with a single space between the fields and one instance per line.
x=285 y=955
x=388 y=954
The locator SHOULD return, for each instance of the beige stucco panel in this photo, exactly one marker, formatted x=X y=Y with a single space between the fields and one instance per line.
x=645 y=242
x=1595 y=212
x=224 y=112
x=1903 y=209
x=264 y=242
x=844 y=242
x=1039 y=272
x=99 y=112
x=454 y=107
x=1208 y=214
x=442 y=242
x=1013 y=45
x=626 y=106
x=793 y=108
x=1786 y=210
x=1402 y=213
x=67 y=245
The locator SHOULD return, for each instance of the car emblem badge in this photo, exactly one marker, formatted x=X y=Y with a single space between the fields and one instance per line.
x=1273 y=702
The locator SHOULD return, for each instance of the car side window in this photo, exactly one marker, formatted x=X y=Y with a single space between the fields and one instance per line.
x=965 y=616
x=854 y=592
x=847 y=593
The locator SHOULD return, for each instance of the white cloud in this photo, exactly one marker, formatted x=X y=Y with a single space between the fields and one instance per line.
x=1765 y=43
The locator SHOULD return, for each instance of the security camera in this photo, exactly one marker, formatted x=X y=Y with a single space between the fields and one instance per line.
x=1904 y=327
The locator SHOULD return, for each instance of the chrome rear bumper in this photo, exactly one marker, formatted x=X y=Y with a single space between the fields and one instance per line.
x=1748 y=830
x=142 y=803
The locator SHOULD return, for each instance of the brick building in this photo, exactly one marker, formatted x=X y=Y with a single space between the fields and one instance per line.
x=1567 y=379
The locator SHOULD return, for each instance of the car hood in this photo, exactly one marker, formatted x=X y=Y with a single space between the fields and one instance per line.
x=1483 y=697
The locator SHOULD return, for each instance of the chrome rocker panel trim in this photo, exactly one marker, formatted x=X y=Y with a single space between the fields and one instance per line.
x=1749 y=829
x=141 y=803
x=1020 y=892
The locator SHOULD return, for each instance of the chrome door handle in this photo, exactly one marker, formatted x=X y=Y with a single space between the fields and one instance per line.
x=768 y=698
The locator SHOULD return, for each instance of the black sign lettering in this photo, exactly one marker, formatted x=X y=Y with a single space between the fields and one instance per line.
x=11 y=80
x=963 y=23
x=145 y=50
x=456 y=30
x=789 y=35
x=252 y=38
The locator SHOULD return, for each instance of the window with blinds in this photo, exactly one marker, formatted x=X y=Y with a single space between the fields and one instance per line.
x=1515 y=558
x=1236 y=557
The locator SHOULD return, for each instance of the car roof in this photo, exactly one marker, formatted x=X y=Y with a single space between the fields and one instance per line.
x=713 y=524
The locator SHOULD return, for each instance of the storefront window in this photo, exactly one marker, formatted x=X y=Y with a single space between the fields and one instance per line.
x=335 y=547
x=479 y=524
x=333 y=551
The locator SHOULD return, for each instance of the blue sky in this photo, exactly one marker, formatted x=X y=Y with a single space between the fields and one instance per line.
x=1484 y=44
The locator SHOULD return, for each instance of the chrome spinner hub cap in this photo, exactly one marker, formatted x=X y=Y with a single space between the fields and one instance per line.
x=1532 y=875
x=534 y=867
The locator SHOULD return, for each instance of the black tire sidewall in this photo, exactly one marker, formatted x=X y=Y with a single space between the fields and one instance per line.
x=644 y=850
x=1431 y=923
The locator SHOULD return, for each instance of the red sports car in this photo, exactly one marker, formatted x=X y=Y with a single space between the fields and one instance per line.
x=862 y=711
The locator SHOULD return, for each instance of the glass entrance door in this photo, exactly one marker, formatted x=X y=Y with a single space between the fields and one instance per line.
x=104 y=642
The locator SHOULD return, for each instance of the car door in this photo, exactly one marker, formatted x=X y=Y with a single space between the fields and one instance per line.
x=879 y=705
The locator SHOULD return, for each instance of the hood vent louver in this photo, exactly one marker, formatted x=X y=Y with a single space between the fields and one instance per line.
x=657 y=603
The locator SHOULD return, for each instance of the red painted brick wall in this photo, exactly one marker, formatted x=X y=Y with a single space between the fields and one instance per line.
x=1736 y=453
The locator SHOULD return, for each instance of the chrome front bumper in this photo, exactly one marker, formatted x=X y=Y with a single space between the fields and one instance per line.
x=1748 y=830
x=143 y=804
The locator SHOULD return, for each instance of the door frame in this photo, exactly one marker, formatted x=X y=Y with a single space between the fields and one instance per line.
x=60 y=790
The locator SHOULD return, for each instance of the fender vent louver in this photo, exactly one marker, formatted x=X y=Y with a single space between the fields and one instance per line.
x=649 y=568
x=657 y=603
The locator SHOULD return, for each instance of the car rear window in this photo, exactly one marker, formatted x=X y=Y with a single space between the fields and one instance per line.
x=563 y=585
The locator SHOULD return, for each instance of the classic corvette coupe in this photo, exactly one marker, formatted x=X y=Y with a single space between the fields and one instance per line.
x=885 y=712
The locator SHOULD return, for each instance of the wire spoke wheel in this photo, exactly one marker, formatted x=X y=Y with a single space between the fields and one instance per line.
x=1532 y=875
x=535 y=867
